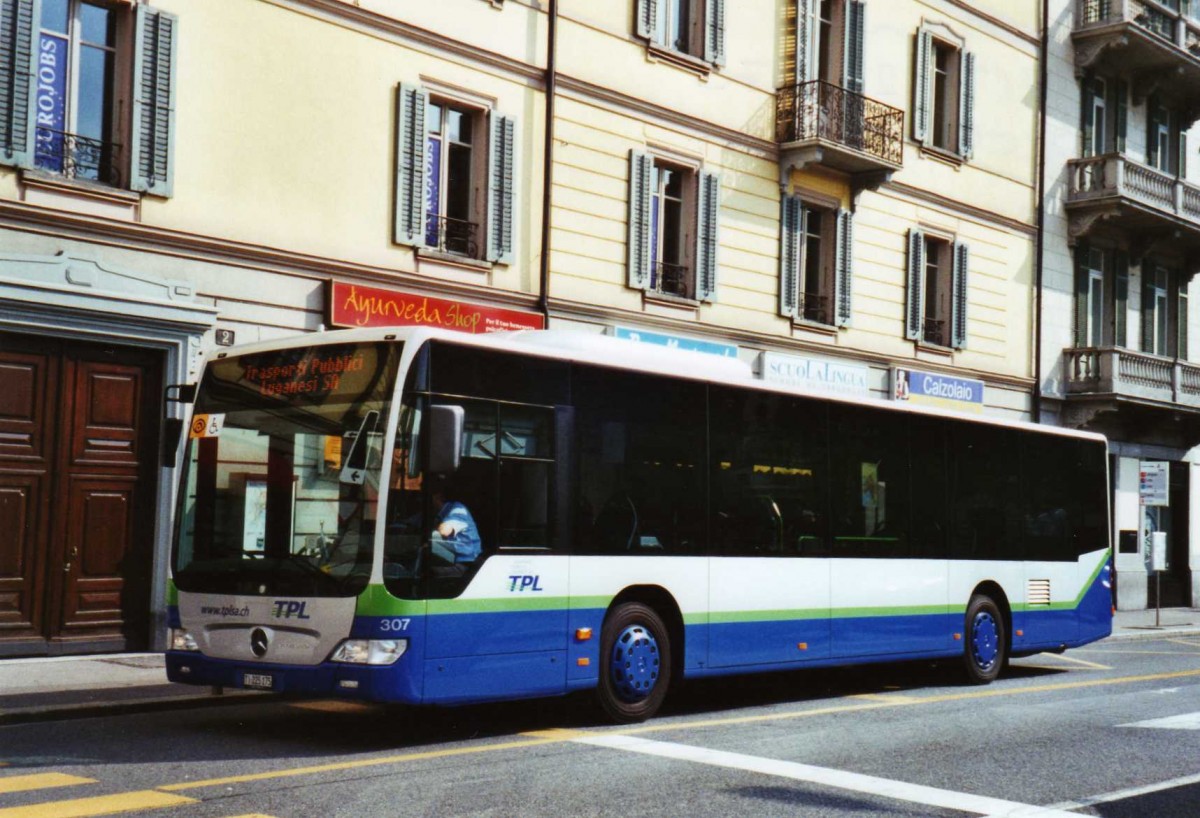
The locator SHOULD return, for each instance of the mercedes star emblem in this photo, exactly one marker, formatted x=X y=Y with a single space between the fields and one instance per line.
x=258 y=642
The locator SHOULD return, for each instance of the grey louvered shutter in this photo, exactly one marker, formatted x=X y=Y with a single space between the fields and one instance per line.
x=805 y=30
x=1182 y=320
x=18 y=28
x=1181 y=171
x=708 y=206
x=1147 y=308
x=921 y=86
x=647 y=18
x=843 y=269
x=966 y=105
x=714 y=32
x=791 y=236
x=153 y=132
x=1086 y=105
x=1122 y=109
x=960 y=266
x=410 y=165
x=1121 y=299
x=639 y=262
x=1082 y=292
x=914 y=312
x=1152 y=132
x=501 y=177
x=855 y=31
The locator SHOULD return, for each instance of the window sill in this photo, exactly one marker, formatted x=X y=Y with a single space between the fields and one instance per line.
x=814 y=327
x=947 y=157
x=53 y=190
x=687 y=62
x=465 y=262
x=668 y=300
x=933 y=351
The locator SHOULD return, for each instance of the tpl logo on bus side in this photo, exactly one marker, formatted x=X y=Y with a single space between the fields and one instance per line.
x=288 y=608
x=521 y=584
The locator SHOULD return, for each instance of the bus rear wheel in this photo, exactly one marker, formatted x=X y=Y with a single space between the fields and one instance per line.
x=635 y=663
x=987 y=642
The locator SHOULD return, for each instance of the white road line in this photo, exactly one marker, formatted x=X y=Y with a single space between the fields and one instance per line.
x=1132 y=792
x=823 y=776
x=1185 y=721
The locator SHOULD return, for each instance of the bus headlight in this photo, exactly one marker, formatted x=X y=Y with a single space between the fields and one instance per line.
x=182 y=640
x=369 y=651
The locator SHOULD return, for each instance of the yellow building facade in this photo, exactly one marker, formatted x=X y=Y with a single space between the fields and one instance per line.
x=841 y=192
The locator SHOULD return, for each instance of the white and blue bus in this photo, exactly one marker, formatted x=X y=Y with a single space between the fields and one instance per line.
x=640 y=515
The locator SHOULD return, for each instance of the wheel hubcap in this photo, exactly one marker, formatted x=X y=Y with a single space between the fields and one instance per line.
x=635 y=662
x=985 y=640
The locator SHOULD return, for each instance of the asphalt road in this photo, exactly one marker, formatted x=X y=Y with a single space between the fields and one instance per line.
x=1111 y=730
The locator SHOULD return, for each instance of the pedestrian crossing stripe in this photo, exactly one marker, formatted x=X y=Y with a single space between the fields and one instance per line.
x=40 y=781
x=1185 y=721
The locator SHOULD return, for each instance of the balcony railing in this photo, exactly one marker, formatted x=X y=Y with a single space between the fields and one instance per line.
x=77 y=157
x=816 y=308
x=1115 y=177
x=453 y=236
x=819 y=111
x=933 y=331
x=1125 y=373
x=672 y=279
x=1159 y=19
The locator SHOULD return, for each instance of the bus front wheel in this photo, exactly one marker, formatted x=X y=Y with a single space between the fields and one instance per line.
x=635 y=662
x=986 y=640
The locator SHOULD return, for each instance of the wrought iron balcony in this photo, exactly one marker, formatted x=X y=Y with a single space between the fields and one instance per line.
x=816 y=308
x=672 y=279
x=821 y=123
x=1147 y=203
x=77 y=157
x=453 y=236
x=1155 y=45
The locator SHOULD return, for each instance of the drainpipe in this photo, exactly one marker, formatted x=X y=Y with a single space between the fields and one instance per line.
x=548 y=158
x=1039 y=263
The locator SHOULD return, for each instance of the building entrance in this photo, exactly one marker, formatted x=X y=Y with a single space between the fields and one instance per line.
x=79 y=438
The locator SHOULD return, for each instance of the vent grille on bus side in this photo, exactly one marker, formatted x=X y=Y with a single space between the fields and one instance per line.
x=1038 y=592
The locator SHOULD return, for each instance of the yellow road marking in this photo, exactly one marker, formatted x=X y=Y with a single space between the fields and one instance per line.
x=886 y=697
x=100 y=805
x=253 y=815
x=354 y=765
x=1063 y=658
x=40 y=781
x=543 y=738
x=558 y=733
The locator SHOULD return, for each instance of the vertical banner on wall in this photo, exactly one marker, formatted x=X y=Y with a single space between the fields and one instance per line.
x=51 y=101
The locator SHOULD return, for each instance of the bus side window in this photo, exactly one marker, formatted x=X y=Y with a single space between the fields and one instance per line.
x=871 y=483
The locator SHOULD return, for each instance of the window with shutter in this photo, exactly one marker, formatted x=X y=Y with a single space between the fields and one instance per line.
x=843 y=269
x=791 y=218
x=78 y=121
x=673 y=236
x=815 y=262
x=695 y=28
x=936 y=308
x=943 y=95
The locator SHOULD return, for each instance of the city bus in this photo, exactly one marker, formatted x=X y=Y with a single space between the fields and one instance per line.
x=629 y=516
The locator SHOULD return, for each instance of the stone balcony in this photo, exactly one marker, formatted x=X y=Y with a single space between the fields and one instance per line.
x=1149 y=205
x=818 y=123
x=1126 y=393
x=1157 y=47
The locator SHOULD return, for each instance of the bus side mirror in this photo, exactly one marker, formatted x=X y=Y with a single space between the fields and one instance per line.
x=445 y=438
x=173 y=427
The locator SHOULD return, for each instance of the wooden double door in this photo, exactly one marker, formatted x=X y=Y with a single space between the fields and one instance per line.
x=79 y=427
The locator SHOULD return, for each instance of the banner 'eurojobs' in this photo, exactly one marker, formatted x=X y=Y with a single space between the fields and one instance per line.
x=932 y=389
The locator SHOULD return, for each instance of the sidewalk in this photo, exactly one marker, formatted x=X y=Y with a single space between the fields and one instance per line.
x=78 y=686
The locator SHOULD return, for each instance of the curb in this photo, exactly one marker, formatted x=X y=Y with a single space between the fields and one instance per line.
x=62 y=712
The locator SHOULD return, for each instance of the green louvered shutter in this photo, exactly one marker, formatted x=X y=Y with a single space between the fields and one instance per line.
x=922 y=89
x=708 y=206
x=501 y=176
x=1152 y=132
x=1147 y=308
x=640 y=166
x=647 y=18
x=410 y=165
x=1086 y=104
x=1121 y=299
x=805 y=29
x=843 y=269
x=791 y=234
x=714 y=32
x=960 y=267
x=1082 y=292
x=853 y=47
x=1122 y=108
x=914 y=312
x=1182 y=320
x=18 y=28
x=153 y=132
x=966 y=105
x=1181 y=170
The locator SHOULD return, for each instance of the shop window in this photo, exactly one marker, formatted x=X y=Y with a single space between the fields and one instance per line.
x=455 y=164
x=694 y=28
x=936 y=310
x=673 y=212
x=816 y=263
x=87 y=91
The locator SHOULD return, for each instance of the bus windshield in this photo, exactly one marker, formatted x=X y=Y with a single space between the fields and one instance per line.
x=283 y=464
